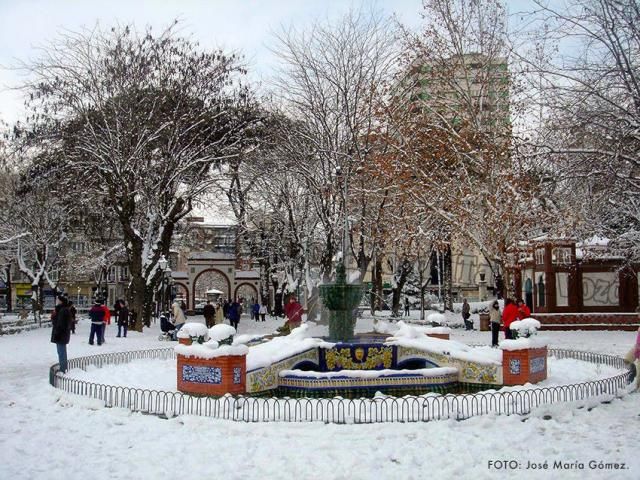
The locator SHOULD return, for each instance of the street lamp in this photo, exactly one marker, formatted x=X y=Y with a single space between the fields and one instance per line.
x=169 y=281
x=162 y=265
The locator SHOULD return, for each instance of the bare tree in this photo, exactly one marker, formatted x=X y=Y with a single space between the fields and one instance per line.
x=330 y=82
x=142 y=121
x=590 y=96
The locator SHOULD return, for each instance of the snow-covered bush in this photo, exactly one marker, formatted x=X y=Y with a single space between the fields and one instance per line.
x=222 y=333
x=197 y=332
x=436 y=319
x=526 y=328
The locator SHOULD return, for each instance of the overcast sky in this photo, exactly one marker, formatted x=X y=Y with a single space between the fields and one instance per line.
x=244 y=25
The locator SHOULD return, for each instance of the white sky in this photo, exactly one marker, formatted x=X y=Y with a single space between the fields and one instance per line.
x=243 y=25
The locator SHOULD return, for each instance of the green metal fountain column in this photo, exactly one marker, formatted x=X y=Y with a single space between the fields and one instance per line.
x=341 y=299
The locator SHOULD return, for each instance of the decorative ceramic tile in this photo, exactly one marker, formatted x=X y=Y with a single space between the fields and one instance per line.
x=199 y=374
x=514 y=366
x=471 y=372
x=359 y=357
x=237 y=375
x=537 y=365
x=266 y=378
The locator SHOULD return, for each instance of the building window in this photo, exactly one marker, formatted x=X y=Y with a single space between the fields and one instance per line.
x=540 y=256
x=111 y=276
x=561 y=256
x=124 y=273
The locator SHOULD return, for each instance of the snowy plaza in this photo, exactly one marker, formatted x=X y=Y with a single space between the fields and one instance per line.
x=37 y=419
x=346 y=239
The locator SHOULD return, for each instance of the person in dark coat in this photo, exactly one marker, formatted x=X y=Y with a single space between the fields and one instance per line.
x=235 y=310
x=255 y=311
x=225 y=308
x=123 y=317
x=466 y=315
x=61 y=330
x=209 y=312
x=96 y=315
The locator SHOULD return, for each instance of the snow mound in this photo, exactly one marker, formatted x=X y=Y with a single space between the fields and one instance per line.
x=279 y=348
x=526 y=327
x=438 y=318
x=221 y=332
x=211 y=349
x=407 y=331
x=194 y=330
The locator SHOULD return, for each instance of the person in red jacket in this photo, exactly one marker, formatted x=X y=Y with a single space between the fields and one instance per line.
x=509 y=315
x=523 y=310
x=293 y=310
x=107 y=319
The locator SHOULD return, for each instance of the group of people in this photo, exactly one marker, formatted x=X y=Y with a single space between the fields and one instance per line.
x=100 y=316
x=513 y=310
x=232 y=311
x=63 y=324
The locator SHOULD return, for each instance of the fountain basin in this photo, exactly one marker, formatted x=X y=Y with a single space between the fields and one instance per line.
x=367 y=383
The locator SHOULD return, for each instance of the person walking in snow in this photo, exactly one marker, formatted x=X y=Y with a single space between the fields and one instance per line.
x=225 y=308
x=219 y=316
x=263 y=311
x=122 y=314
x=495 y=317
x=96 y=315
x=179 y=318
x=255 y=310
x=61 y=330
x=235 y=310
x=407 y=307
x=466 y=315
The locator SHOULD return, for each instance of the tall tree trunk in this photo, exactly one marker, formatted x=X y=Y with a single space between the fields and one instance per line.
x=448 y=280
x=401 y=279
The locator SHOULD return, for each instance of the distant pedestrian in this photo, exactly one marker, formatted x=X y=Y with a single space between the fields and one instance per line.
x=407 y=307
x=123 y=317
x=209 y=312
x=96 y=315
x=61 y=330
x=235 y=311
x=466 y=315
x=73 y=312
x=255 y=311
x=263 y=311
x=219 y=316
x=495 y=317
x=179 y=317
x=225 y=308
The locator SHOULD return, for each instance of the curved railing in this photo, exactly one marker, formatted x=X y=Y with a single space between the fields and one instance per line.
x=507 y=401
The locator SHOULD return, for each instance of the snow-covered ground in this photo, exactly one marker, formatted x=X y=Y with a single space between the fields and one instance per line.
x=46 y=434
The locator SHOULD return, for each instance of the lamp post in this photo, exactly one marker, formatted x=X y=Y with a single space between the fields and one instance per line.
x=169 y=282
x=162 y=265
